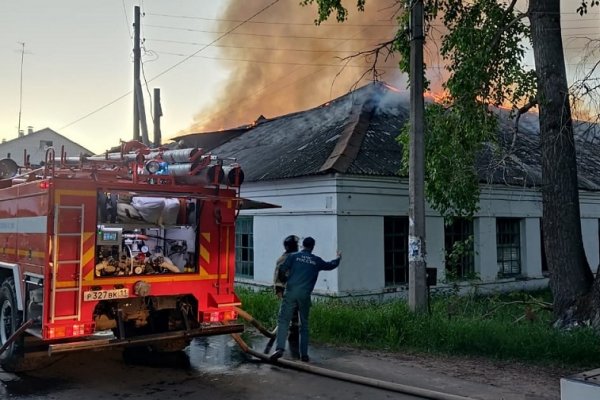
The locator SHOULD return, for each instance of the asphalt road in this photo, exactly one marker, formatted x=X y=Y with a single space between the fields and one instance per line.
x=211 y=368
x=217 y=369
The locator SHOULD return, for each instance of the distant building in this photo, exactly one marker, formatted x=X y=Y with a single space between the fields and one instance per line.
x=335 y=172
x=36 y=143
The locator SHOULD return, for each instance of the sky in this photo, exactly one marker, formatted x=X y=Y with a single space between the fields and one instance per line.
x=76 y=74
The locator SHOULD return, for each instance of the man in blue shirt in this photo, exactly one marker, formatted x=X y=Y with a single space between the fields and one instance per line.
x=300 y=272
x=290 y=244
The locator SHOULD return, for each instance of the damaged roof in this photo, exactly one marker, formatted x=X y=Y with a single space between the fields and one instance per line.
x=355 y=134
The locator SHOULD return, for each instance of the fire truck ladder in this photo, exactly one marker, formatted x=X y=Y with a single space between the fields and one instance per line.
x=57 y=262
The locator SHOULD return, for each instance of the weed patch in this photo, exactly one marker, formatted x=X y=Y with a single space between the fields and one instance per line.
x=515 y=326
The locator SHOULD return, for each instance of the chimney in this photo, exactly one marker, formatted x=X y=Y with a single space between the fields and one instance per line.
x=29 y=130
x=21 y=133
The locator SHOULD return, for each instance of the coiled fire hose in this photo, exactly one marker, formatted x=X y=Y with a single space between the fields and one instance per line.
x=362 y=380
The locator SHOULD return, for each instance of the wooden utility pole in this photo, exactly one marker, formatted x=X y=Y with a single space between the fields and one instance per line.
x=157 y=115
x=417 y=290
x=142 y=112
x=137 y=56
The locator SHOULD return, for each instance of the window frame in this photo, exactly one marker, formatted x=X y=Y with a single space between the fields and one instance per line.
x=510 y=227
x=244 y=247
x=395 y=232
x=461 y=229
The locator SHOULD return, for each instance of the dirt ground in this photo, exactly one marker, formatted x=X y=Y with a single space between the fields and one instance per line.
x=535 y=382
x=217 y=366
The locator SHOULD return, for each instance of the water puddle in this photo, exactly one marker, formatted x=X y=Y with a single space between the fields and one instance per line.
x=211 y=357
x=216 y=355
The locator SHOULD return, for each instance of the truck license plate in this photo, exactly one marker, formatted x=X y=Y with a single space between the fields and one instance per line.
x=94 y=295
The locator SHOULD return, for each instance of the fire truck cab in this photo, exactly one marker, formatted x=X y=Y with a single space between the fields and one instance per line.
x=124 y=249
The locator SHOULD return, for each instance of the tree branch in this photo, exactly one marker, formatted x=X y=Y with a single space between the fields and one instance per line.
x=496 y=40
x=374 y=52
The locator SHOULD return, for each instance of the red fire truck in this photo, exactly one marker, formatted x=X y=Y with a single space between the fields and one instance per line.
x=124 y=249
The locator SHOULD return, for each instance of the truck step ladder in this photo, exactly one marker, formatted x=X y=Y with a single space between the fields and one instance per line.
x=58 y=262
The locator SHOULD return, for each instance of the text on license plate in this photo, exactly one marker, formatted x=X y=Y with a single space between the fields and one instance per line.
x=94 y=295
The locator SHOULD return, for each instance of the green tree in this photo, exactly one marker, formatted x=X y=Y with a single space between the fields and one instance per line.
x=484 y=53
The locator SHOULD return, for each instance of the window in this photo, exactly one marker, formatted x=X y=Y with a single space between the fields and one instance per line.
x=244 y=247
x=545 y=271
x=508 y=243
x=44 y=144
x=458 y=241
x=395 y=236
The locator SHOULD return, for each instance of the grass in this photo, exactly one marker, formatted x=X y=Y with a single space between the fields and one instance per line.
x=493 y=327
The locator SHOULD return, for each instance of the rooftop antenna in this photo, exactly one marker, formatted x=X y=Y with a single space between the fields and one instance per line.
x=21 y=86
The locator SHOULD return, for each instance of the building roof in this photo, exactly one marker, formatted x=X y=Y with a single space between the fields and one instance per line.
x=352 y=134
x=355 y=134
x=42 y=132
x=516 y=159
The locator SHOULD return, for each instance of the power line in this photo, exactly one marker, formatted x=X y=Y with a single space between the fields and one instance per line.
x=326 y=24
x=268 y=62
x=252 y=34
x=257 y=48
x=579 y=28
x=274 y=81
x=268 y=22
x=176 y=64
x=96 y=110
x=126 y=20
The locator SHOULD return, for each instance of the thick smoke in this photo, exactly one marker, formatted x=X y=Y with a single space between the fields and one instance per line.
x=285 y=63
x=302 y=67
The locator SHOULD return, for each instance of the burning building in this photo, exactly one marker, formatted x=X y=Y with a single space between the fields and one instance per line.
x=335 y=171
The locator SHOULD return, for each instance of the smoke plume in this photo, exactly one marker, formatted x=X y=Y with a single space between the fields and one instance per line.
x=280 y=62
x=289 y=64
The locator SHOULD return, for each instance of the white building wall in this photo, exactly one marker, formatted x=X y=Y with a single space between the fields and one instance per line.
x=347 y=212
x=307 y=209
x=531 y=248
x=361 y=240
x=589 y=231
x=509 y=202
x=36 y=144
x=486 y=259
x=269 y=232
x=434 y=233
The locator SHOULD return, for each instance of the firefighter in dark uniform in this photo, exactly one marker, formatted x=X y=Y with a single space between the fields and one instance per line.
x=290 y=244
x=300 y=272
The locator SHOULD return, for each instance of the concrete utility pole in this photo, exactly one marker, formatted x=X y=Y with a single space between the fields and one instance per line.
x=137 y=56
x=157 y=115
x=417 y=290
x=139 y=112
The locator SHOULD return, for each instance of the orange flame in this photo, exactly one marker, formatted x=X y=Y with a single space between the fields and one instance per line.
x=441 y=97
x=392 y=88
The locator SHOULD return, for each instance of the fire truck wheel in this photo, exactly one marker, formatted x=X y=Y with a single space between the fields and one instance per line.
x=10 y=320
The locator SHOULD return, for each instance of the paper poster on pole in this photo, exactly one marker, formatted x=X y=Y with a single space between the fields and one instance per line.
x=415 y=249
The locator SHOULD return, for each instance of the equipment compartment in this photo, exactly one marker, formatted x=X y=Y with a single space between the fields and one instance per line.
x=142 y=234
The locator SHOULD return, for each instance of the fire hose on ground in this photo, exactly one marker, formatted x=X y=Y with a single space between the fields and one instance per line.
x=362 y=380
